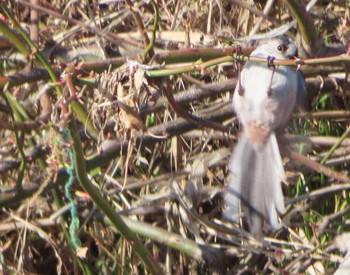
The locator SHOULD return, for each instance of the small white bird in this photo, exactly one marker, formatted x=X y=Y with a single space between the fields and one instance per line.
x=264 y=100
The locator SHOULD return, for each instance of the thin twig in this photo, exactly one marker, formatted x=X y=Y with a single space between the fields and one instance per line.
x=191 y=118
x=319 y=192
x=300 y=159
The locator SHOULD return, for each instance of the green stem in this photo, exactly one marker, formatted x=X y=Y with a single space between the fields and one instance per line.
x=179 y=243
x=155 y=27
x=7 y=98
x=20 y=115
x=102 y=203
x=14 y=38
x=200 y=66
x=335 y=146
x=32 y=46
x=305 y=22
x=77 y=108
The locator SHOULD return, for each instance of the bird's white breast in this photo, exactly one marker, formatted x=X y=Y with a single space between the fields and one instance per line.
x=266 y=97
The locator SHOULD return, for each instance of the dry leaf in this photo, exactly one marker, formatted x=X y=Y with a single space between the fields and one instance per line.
x=129 y=116
x=81 y=252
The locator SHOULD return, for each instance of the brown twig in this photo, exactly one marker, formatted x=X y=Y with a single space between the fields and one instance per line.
x=179 y=126
x=300 y=159
x=326 y=114
x=320 y=192
x=138 y=20
x=109 y=36
x=326 y=221
x=189 y=117
x=44 y=117
x=317 y=140
x=187 y=96
x=34 y=24
x=37 y=152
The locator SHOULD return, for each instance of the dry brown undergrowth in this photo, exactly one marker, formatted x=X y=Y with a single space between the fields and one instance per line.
x=152 y=158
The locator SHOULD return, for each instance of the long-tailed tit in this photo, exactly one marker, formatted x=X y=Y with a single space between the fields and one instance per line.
x=264 y=100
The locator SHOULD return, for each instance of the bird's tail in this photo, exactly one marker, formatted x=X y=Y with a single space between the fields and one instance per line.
x=254 y=188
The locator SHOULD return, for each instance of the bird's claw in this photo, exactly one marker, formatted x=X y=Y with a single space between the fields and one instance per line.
x=270 y=60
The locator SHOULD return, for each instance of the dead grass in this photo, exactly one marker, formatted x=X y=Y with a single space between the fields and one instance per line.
x=161 y=162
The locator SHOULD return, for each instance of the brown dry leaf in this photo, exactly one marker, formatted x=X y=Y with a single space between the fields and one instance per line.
x=81 y=252
x=343 y=30
x=129 y=116
x=139 y=79
x=316 y=268
x=246 y=20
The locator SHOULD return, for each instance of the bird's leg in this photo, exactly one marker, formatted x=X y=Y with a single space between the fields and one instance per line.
x=240 y=88
x=238 y=67
x=270 y=63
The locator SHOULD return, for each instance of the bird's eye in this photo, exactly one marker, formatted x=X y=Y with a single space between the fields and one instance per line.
x=282 y=47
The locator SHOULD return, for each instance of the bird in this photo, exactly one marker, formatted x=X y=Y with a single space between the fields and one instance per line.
x=264 y=99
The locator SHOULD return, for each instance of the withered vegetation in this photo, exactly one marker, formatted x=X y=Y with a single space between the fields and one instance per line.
x=123 y=109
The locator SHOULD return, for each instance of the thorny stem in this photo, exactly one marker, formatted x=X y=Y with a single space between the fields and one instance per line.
x=32 y=46
x=103 y=204
x=202 y=66
x=76 y=106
